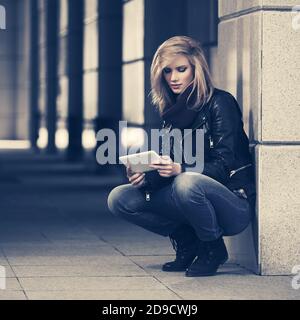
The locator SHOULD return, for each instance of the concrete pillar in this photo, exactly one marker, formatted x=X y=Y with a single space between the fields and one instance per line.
x=258 y=60
x=110 y=60
x=110 y=67
x=22 y=70
x=51 y=71
x=8 y=70
x=75 y=73
x=14 y=70
x=34 y=73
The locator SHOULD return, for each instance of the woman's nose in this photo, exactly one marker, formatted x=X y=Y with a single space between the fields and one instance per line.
x=174 y=77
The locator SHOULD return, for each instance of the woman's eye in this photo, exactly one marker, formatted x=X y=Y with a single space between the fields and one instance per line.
x=166 y=70
x=181 y=69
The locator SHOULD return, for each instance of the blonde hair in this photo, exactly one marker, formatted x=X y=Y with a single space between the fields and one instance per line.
x=202 y=81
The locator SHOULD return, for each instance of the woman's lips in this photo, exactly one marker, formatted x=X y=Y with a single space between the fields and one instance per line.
x=175 y=86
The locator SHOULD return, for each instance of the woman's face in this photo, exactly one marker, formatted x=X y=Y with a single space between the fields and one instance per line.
x=178 y=73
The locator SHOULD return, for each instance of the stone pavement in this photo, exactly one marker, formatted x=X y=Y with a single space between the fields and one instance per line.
x=58 y=241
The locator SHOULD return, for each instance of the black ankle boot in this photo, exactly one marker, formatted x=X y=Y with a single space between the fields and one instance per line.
x=208 y=263
x=184 y=241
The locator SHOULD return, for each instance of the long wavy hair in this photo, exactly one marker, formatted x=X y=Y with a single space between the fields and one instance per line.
x=202 y=81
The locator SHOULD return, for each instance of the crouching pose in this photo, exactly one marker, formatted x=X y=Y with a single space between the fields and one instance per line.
x=195 y=209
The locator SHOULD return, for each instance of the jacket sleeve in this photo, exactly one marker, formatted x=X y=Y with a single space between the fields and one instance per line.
x=225 y=120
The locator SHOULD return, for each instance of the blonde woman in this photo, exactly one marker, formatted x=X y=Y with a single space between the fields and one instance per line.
x=195 y=209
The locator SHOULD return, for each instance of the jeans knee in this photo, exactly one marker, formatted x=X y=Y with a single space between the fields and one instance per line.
x=123 y=200
x=113 y=200
x=187 y=184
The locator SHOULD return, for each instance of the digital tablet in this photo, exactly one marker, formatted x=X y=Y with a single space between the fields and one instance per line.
x=139 y=162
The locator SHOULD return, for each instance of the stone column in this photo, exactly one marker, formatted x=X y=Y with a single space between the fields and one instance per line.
x=110 y=62
x=34 y=73
x=258 y=62
x=75 y=67
x=8 y=70
x=51 y=73
x=110 y=69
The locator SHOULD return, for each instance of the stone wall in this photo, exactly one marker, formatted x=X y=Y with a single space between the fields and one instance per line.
x=258 y=62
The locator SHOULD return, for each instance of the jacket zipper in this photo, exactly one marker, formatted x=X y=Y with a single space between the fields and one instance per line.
x=147 y=195
x=239 y=169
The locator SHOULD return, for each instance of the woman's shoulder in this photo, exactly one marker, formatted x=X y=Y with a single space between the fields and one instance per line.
x=219 y=94
x=224 y=101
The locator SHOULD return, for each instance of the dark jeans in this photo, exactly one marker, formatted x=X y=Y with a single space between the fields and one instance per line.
x=192 y=198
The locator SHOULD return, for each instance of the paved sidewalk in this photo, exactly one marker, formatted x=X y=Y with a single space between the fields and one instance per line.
x=58 y=241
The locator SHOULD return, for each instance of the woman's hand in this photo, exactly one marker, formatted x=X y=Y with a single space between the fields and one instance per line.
x=136 y=179
x=166 y=167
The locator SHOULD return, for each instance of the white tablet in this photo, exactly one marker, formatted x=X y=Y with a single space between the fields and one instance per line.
x=139 y=162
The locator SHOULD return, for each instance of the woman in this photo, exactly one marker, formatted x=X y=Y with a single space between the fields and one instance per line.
x=195 y=209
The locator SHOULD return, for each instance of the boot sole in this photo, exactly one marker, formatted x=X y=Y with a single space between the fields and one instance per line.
x=176 y=270
x=179 y=269
x=191 y=274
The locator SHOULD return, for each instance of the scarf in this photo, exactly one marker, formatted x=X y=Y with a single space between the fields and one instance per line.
x=178 y=113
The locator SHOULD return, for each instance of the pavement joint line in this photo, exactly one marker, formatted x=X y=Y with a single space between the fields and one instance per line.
x=113 y=246
x=23 y=289
x=166 y=286
x=169 y=289
x=139 y=266
x=78 y=277
x=25 y=294
x=57 y=265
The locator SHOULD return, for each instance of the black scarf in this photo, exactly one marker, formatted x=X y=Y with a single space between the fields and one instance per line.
x=178 y=113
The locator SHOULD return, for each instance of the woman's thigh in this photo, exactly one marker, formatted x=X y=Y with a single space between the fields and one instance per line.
x=232 y=212
x=131 y=199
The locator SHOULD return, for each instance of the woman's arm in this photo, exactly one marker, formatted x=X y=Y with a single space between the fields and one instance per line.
x=225 y=120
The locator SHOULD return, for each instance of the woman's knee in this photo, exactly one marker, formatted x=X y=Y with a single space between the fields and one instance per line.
x=188 y=183
x=122 y=199
x=113 y=199
x=117 y=198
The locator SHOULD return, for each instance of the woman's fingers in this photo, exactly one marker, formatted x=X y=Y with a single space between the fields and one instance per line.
x=136 y=178
x=129 y=171
x=164 y=170
x=165 y=174
x=140 y=183
x=161 y=166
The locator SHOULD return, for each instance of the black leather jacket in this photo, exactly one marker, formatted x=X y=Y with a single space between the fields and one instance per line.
x=226 y=147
